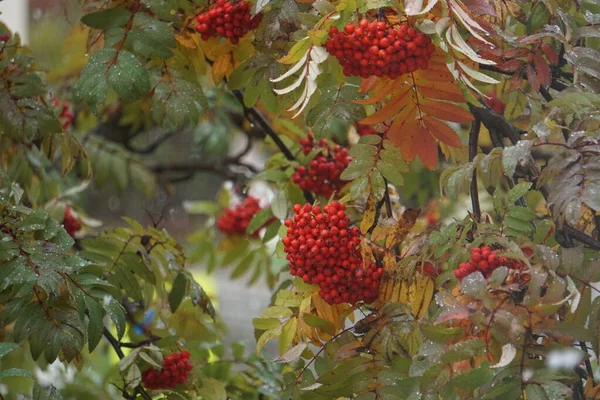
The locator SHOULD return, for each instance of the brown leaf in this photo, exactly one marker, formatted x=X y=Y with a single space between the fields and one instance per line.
x=403 y=227
x=348 y=350
x=533 y=78
x=543 y=70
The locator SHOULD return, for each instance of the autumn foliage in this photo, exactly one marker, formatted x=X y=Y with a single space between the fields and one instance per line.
x=415 y=184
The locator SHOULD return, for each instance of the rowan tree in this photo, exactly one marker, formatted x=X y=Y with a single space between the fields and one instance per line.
x=432 y=230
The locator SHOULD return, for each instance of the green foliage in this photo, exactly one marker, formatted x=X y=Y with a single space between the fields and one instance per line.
x=113 y=303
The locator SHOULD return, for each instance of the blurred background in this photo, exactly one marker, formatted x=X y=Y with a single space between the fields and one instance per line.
x=44 y=25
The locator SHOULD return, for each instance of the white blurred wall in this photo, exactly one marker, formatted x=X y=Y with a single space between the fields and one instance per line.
x=15 y=14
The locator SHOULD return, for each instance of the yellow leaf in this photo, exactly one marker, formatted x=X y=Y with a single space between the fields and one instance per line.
x=381 y=232
x=369 y=215
x=330 y=312
x=185 y=39
x=586 y=222
x=402 y=227
x=420 y=295
x=288 y=333
x=221 y=66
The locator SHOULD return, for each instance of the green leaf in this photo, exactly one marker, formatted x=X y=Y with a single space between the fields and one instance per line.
x=93 y=83
x=267 y=336
x=6 y=348
x=317 y=322
x=151 y=36
x=536 y=392
x=178 y=103
x=212 y=389
x=336 y=106
x=95 y=325
x=463 y=350
x=109 y=18
x=128 y=77
x=259 y=220
x=440 y=333
x=538 y=17
x=513 y=155
x=178 y=291
x=116 y=312
x=15 y=372
x=359 y=166
x=518 y=191
x=202 y=207
x=473 y=379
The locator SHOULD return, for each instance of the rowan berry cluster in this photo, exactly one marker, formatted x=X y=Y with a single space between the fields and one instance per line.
x=485 y=260
x=376 y=48
x=228 y=19
x=323 y=250
x=65 y=115
x=71 y=223
x=4 y=37
x=175 y=369
x=235 y=220
x=322 y=174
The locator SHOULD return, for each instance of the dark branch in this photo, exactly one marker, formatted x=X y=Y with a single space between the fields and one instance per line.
x=473 y=140
x=152 y=147
x=117 y=348
x=256 y=116
x=499 y=129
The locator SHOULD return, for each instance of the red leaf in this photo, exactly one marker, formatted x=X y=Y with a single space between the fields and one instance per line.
x=543 y=70
x=550 y=53
x=515 y=81
x=533 y=78
x=516 y=52
x=480 y=7
x=511 y=65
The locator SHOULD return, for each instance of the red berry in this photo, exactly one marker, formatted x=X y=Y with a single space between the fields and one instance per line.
x=175 y=370
x=5 y=37
x=334 y=261
x=71 y=224
x=322 y=175
x=235 y=220
x=227 y=19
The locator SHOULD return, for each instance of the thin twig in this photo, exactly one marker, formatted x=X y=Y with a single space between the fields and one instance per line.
x=588 y=364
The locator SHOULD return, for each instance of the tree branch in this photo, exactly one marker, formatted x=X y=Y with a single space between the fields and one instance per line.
x=152 y=146
x=499 y=127
x=473 y=140
x=117 y=348
x=258 y=118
